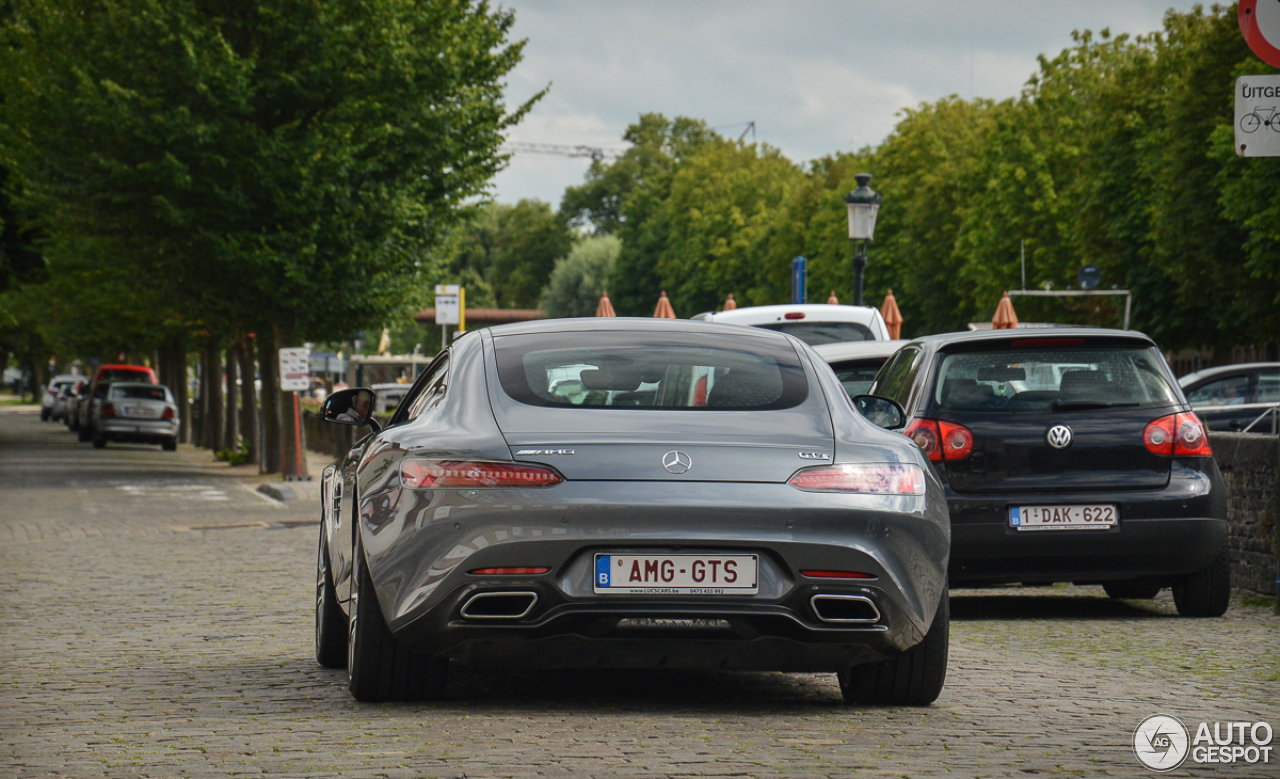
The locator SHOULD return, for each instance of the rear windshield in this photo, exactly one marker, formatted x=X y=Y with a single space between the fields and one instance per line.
x=665 y=371
x=138 y=392
x=1051 y=380
x=814 y=333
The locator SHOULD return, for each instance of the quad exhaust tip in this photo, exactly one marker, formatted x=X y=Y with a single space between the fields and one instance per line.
x=845 y=609
x=499 y=605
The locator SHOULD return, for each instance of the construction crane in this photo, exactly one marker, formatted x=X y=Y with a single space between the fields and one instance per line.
x=563 y=150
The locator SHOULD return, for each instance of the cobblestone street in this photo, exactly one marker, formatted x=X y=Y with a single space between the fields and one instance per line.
x=156 y=621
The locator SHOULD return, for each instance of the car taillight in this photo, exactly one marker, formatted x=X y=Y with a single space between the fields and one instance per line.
x=453 y=474
x=527 y=571
x=940 y=440
x=168 y=413
x=794 y=315
x=1180 y=435
x=864 y=478
x=108 y=410
x=838 y=575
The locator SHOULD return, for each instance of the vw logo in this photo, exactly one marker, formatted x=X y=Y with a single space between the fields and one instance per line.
x=1059 y=436
x=676 y=461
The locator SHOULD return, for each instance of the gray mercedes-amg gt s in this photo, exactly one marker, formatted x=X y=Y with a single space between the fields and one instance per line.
x=632 y=493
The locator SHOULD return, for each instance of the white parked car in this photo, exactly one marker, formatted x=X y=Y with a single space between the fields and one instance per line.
x=856 y=363
x=813 y=323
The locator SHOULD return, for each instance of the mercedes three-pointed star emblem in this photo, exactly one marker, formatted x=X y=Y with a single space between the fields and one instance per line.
x=676 y=461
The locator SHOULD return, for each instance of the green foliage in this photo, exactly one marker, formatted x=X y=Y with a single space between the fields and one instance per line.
x=504 y=254
x=579 y=279
x=236 y=455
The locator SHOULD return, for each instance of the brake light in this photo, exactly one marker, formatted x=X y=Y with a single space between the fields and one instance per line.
x=838 y=575
x=510 y=571
x=452 y=474
x=108 y=410
x=168 y=413
x=794 y=315
x=1180 y=435
x=863 y=478
x=1032 y=343
x=940 y=440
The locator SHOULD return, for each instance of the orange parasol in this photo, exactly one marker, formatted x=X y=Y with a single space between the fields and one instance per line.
x=604 y=308
x=664 y=309
x=833 y=300
x=892 y=316
x=729 y=303
x=1005 y=318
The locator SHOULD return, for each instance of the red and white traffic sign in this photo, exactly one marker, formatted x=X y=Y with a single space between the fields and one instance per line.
x=1260 y=23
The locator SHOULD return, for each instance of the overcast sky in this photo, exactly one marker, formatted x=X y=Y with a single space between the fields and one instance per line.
x=816 y=76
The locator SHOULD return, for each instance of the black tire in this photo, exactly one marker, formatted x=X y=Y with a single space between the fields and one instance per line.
x=99 y=442
x=1205 y=593
x=44 y=415
x=914 y=678
x=84 y=433
x=331 y=623
x=169 y=446
x=1131 y=590
x=380 y=668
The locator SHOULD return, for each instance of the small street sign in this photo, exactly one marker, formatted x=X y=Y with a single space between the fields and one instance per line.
x=1258 y=115
x=799 y=270
x=1260 y=25
x=448 y=304
x=294 y=373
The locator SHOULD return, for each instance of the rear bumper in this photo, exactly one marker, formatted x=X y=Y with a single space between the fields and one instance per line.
x=1162 y=534
x=155 y=431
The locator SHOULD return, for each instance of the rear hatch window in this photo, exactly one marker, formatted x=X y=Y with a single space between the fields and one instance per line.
x=815 y=333
x=135 y=392
x=654 y=372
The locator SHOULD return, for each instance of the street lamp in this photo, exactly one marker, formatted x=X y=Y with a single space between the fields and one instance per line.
x=863 y=204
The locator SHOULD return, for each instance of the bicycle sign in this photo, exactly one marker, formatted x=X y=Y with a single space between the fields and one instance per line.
x=1257 y=117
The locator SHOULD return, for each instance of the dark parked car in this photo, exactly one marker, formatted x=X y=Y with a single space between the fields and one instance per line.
x=711 y=499
x=1067 y=455
x=1232 y=396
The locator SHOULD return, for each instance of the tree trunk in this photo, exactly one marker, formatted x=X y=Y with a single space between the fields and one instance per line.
x=181 y=392
x=293 y=463
x=231 y=420
x=211 y=388
x=268 y=365
x=248 y=399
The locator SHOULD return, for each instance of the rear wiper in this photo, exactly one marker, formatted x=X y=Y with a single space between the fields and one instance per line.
x=1065 y=405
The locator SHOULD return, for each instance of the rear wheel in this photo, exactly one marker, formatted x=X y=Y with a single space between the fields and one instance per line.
x=44 y=415
x=99 y=442
x=170 y=445
x=84 y=432
x=380 y=668
x=1131 y=590
x=1205 y=593
x=914 y=678
x=331 y=623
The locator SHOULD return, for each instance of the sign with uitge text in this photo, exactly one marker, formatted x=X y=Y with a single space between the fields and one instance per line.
x=1257 y=119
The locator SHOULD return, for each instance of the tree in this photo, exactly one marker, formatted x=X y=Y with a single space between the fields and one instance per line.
x=579 y=279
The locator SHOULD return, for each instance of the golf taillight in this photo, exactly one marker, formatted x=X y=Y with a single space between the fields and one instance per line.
x=168 y=413
x=511 y=571
x=940 y=440
x=455 y=474
x=863 y=478
x=108 y=410
x=1180 y=435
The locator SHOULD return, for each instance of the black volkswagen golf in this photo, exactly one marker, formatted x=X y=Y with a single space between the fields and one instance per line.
x=1068 y=455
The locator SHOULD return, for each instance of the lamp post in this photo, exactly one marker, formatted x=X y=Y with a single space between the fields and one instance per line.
x=863 y=203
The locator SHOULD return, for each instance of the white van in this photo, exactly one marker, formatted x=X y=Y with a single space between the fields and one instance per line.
x=813 y=323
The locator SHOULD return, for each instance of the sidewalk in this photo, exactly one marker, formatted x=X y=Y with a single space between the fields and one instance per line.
x=272 y=485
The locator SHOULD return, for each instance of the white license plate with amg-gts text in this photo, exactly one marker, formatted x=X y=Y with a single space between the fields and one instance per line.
x=676 y=574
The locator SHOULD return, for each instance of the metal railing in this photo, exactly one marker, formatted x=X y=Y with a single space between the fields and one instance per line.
x=1274 y=413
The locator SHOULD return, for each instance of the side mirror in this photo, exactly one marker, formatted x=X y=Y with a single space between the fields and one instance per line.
x=879 y=411
x=349 y=407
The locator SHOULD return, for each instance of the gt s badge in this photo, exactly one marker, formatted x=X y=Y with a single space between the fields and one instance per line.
x=814 y=456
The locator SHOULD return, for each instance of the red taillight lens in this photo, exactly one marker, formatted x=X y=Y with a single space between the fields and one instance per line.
x=108 y=410
x=794 y=315
x=940 y=440
x=168 y=413
x=1180 y=435
x=838 y=575
x=957 y=441
x=452 y=474
x=510 y=571
x=865 y=478
x=925 y=433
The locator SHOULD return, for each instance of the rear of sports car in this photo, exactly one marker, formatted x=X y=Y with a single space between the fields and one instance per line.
x=675 y=497
x=1073 y=458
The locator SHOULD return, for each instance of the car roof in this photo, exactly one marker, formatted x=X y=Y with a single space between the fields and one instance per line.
x=852 y=350
x=1223 y=370
x=635 y=324
x=998 y=337
x=118 y=383
x=814 y=312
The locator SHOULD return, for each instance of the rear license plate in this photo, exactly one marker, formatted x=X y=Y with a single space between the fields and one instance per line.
x=1063 y=517
x=676 y=574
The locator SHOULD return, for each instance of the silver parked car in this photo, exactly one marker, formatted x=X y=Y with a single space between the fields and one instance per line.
x=136 y=412
x=710 y=498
